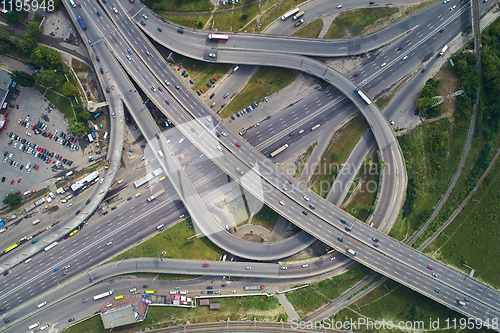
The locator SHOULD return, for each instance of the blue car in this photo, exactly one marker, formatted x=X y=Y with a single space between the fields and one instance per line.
x=340 y=239
x=56 y=269
x=437 y=291
x=131 y=150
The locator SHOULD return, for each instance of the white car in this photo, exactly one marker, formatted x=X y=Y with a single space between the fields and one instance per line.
x=404 y=58
x=167 y=83
x=282 y=203
x=211 y=55
x=70 y=204
x=153 y=88
x=306 y=198
x=128 y=57
x=339 y=6
x=28 y=133
x=145 y=16
x=115 y=10
x=383 y=64
x=109 y=243
x=113 y=114
x=120 y=181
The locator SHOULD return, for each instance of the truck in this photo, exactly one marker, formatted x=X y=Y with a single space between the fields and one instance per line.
x=299 y=22
x=279 y=150
x=443 y=50
x=107 y=293
x=254 y=287
x=299 y=14
x=352 y=252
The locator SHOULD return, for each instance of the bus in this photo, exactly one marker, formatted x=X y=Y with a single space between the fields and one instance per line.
x=149 y=292
x=81 y=23
x=157 y=194
x=107 y=293
x=119 y=296
x=218 y=36
x=363 y=96
x=279 y=150
x=254 y=287
x=290 y=13
x=51 y=246
x=315 y=127
x=10 y=248
x=443 y=50
x=72 y=233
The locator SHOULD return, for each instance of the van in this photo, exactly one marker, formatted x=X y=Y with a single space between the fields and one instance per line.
x=462 y=303
x=161 y=154
x=105 y=136
x=173 y=292
x=137 y=195
x=3 y=230
x=72 y=3
x=183 y=292
x=44 y=327
x=181 y=140
x=34 y=326
x=236 y=68
x=96 y=128
x=41 y=304
x=35 y=222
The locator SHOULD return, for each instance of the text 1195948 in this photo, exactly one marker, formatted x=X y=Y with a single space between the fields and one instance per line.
x=26 y=5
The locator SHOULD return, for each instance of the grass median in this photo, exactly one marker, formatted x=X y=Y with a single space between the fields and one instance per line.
x=339 y=149
x=311 y=30
x=175 y=242
x=265 y=82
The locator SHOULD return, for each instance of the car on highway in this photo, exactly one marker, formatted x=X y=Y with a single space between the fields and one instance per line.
x=434 y=274
x=339 y=6
x=357 y=73
x=145 y=16
x=306 y=198
x=343 y=221
x=159 y=29
x=383 y=64
x=340 y=239
x=430 y=267
x=284 y=267
x=128 y=57
x=442 y=30
x=237 y=144
x=282 y=203
x=375 y=240
x=206 y=265
x=248 y=267
x=153 y=88
x=56 y=269
x=404 y=58
x=64 y=273
x=375 y=244
x=304 y=212
x=109 y=243
x=437 y=291
x=305 y=265
x=211 y=55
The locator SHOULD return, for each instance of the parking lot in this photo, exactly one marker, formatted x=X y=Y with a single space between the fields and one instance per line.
x=30 y=145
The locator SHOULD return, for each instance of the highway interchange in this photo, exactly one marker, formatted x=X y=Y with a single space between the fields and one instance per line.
x=293 y=196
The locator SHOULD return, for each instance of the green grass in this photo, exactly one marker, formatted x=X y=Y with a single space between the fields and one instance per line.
x=188 y=21
x=311 y=30
x=336 y=154
x=176 y=245
x=472 y=237
x=309 y=299
x=394 y=302
x=194 y=67
x=234 y=308
x=266 y=218
x=264 y=83
x=235 y=20
x=352 y=23
x=217 y=70
x=63 y=104
x=51 y=96
x=362 y=204
x=432 y=152
x=180 y=5
x=382 y=102
x=303 y=160
x=223 y=22
x=41 y=89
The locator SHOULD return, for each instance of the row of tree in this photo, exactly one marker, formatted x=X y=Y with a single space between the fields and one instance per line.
x=424 y=102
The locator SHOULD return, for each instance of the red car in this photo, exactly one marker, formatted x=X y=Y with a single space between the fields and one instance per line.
x=206 y=265
x=12 y=181
x=159 y=88
x=19 y=180
x=202 y=91
x=18 y=192
x=36 y=167
x=356 y=74
x=48 y=161
x=429 y=267
x=179 y=68
x=215 y=79
x=375 y=244
x=64 y=273
x=237 y=144
x=80 y=6
x=33 y=127
x=17 y=106
x=60 y=158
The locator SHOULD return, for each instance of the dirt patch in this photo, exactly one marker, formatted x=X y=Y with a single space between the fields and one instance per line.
x=253 y=238
x=450 y=82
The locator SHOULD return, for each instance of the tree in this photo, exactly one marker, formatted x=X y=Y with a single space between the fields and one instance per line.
x=33 y=28
x=82 y=115
x=69 y=89
x=22 y=78
x=12 y=17
x=30 y=38
x=47 y=77
x=12 y=199
x=43 y=53
x=78 y=129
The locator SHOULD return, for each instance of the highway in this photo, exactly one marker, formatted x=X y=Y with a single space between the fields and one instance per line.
x=178 y=118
